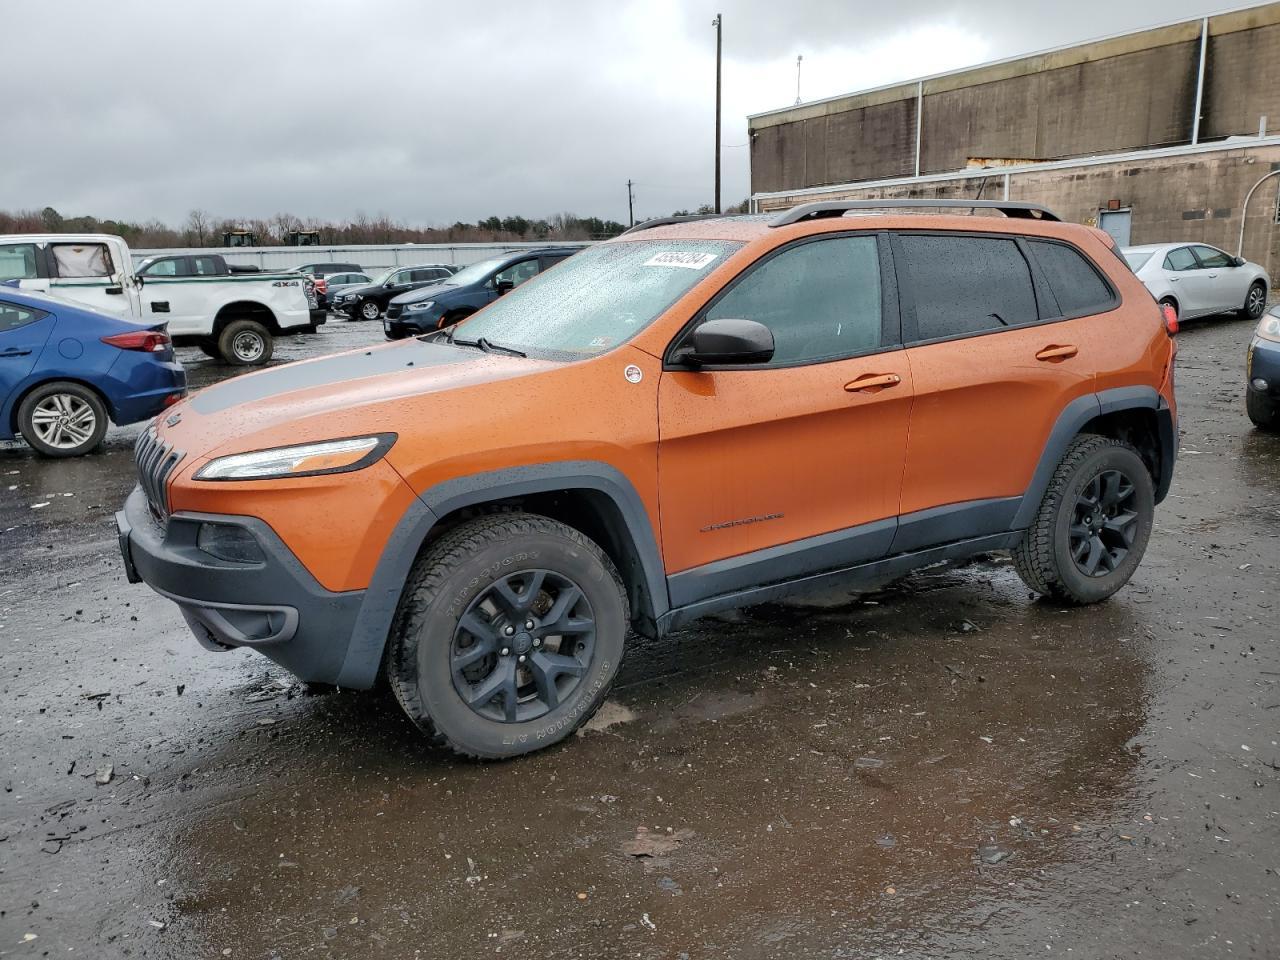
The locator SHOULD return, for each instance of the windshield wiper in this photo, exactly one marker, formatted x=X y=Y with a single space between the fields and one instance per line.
x=487 y=346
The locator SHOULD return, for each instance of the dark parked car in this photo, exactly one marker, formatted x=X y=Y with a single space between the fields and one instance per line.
x=368 y=302
x=1262 y=375
x=467 y=291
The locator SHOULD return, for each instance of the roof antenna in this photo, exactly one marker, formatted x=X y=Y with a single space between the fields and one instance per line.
x=799 y=58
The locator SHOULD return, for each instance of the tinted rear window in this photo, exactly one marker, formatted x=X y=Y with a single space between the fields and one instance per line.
x=1074 y=281
x=965 y=285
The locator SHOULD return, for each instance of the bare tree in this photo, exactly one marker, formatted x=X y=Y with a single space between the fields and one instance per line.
x=197 y=226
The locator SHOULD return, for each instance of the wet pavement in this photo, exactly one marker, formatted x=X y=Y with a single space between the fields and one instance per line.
x=942 y=769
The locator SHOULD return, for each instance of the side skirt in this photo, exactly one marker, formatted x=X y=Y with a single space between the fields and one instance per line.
x=877 y=571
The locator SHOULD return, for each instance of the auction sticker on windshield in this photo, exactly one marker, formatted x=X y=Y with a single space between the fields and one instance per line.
x=676 y=258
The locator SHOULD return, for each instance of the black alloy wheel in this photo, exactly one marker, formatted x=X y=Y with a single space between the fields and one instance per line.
x=523 y=646
x=1104 y=524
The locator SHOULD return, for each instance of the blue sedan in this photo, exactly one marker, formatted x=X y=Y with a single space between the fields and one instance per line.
x=65 y=370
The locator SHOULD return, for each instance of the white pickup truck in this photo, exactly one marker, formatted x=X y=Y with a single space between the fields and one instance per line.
x=234 y=316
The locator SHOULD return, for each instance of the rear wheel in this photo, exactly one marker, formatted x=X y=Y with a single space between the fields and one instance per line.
x=1255 y=301
x=1263 y=411
x=62 y=419
x=245 y=343
x=1093 y=524
x=508 y=637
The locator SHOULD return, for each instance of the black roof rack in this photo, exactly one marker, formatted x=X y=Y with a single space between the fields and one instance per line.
x=838 y=208
x=666 y=221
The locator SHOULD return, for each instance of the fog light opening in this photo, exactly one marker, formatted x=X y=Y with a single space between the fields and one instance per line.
x=1261 y=385
x=230 y=543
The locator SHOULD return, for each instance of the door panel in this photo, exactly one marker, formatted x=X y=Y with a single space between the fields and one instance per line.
x=749 y=459
x=1225 y=283
x=985 y=406
x=21 y=341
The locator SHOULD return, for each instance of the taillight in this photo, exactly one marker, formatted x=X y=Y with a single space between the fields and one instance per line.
x=148 y=341
x=1170 y=318
x=322 y=285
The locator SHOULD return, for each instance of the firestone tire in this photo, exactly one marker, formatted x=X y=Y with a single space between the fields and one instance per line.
x=509 y=634
x=1093 y=525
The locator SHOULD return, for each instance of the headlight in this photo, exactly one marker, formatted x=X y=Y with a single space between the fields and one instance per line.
x=415 y=307
x=304 y=460
x=1269 y=327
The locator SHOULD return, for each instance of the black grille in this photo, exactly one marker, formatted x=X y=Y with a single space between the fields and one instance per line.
x=155 y=461
x=393 y=310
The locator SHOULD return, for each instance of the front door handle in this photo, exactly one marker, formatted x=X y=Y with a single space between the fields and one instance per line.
x=1053 y=353
x=1174 y=279
x=14 y=352
x=873 y=381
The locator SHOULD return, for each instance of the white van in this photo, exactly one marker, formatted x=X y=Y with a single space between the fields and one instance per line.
x=233 y=317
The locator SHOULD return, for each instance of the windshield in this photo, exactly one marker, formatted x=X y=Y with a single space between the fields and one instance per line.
x=383 y=277
x=598 y=298
x=1137 y=258
x=475 y=272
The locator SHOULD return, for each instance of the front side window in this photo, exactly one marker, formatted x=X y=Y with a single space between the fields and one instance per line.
x=13 y=316
x=1074 y=282
x=518 y=273
x=18 y=261
x=1181 y=259
x=81 y=260
x=965 y=285
x=1212 y=258
x=820 y=300
x=596 y=300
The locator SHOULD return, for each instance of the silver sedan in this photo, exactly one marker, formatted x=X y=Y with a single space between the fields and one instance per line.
x=1199 y=280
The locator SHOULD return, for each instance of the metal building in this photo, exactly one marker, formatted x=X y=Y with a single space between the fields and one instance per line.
x=1158 y=135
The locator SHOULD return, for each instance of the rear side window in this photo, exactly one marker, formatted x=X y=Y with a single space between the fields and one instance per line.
x=1074 y=281
x=13 y=316
x=820 y=300
x=76 y=260
x=964 y=285
x=17 y=261
x=205 y=266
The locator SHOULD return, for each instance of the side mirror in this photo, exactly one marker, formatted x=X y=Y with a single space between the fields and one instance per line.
x=727 y=341
x=1238 y=261
x=503 y=286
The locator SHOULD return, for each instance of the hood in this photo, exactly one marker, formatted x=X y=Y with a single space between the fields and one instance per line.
x=347 y=394
x=432 y=291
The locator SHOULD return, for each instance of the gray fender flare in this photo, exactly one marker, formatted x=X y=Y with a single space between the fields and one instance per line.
x=377 y=613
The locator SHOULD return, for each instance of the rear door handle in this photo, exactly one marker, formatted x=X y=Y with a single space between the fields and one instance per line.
x=873 y=381
x=1052 y=353
x=14 y=352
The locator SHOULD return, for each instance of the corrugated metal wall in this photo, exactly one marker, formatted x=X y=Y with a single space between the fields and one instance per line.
x=372 y=257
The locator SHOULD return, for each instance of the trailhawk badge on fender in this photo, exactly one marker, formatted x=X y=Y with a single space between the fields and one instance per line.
x=633 y=373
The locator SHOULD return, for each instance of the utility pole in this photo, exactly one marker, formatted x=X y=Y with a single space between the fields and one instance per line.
x=799 y=58
x=716 y=23
x=631 y=205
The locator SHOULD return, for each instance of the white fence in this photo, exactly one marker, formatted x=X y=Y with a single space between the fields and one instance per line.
x=372 y=257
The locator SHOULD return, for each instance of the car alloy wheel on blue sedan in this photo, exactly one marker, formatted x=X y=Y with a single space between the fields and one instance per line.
x=62 y=419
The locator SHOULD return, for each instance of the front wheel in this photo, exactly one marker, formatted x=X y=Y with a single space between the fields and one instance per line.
x=245 y=343
x=508 y=637
x=1093 y=524
x=370 y=310
x=1255 y=301
x=62 y=419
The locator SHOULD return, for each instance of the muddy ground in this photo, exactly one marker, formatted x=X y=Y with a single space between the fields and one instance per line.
x=943 y=769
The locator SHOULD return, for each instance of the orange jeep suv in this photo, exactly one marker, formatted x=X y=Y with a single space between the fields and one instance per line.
x=691 y=417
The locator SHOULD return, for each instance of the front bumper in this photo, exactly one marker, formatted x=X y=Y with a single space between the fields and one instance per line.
x=406 y=326
x=1262 y=369
x=275 y=607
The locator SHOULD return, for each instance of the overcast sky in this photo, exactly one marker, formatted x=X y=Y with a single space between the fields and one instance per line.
x=435 y=112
